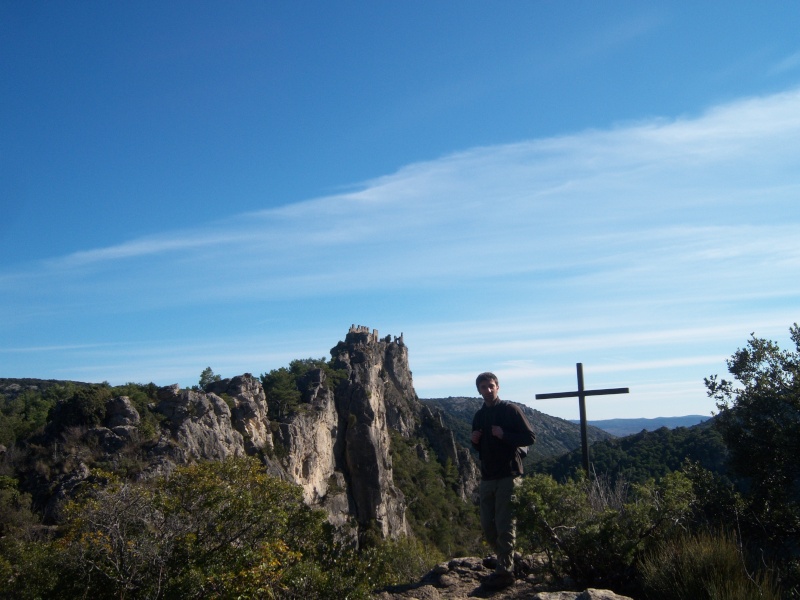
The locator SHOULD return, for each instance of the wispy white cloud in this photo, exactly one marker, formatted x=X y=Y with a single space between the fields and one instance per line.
x=498 y=197
x=138 y=248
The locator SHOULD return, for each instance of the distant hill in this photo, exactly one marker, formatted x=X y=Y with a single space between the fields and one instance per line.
x=623 y=427
x=554 y=436
x=10 y=388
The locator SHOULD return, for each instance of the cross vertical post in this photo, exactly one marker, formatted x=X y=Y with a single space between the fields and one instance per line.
x=584 y=424
x=581 y=395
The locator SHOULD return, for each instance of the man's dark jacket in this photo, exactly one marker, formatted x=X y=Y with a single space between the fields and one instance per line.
x=499 y=457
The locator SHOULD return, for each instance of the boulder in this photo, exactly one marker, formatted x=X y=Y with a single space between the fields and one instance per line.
x=120 y=411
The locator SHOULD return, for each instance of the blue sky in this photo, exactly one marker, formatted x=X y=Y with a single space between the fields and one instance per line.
x=514 y=186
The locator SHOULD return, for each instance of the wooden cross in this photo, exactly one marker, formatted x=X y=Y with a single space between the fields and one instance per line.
x=581 y=394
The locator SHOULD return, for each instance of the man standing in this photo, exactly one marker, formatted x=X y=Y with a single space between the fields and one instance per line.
x=499 y=430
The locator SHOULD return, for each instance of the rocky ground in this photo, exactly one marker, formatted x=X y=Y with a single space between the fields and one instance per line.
x=464 y=578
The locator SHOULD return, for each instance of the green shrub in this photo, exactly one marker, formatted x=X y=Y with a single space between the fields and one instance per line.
x=400 y=561
x=29 y=570
x=594 y=533
x=211 y=530
x=29 y=561
x=759 y=420
x=23 y=415
x=86 y=407
x=283 y=395
x=705 y=566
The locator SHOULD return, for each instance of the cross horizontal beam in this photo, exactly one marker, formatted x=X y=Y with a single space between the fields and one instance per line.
x=577 y=394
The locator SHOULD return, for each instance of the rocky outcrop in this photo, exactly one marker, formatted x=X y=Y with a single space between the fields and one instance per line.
x=248 y=405
x=121 y=413
x=336 y=444
x=198 y=427
x=228 y=419
x=377 y=396
x=380 y=368
x=119 y=429
x=463 y=578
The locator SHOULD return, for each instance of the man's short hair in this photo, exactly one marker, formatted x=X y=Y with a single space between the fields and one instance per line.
x=487 y=376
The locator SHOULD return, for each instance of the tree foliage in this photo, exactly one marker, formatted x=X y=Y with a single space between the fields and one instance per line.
x=210 y=530
x=287 y=388
x=760 y=418
x=205 y=531
x=760 y=422
x=29 y=563
x=86 y=406
x=23 y=415
x=68 y=405
x=208 y=376
x=646 y=455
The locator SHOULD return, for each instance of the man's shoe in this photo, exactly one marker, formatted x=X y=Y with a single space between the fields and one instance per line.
x=499 y=580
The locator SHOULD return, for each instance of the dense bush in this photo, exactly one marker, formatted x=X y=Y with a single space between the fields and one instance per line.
x=593 y=532
x=206 y=531
x=639 y=538
x=86 y=406
x=29 y=562
x=212 y=530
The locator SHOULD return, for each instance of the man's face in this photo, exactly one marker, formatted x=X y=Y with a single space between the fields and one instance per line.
x=489 y=390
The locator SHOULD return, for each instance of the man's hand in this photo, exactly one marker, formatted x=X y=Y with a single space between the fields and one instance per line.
x=497 y=432
x=476 y=436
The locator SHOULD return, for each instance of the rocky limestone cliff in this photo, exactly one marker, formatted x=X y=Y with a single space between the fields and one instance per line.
x=377 y=395
x=336 y=446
